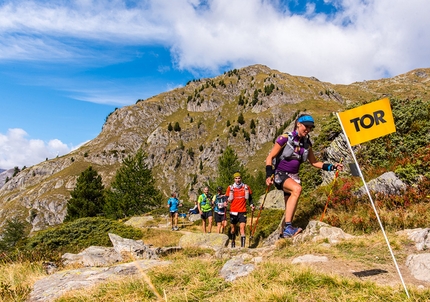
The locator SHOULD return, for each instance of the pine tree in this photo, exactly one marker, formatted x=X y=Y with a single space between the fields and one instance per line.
x=13 y=234
x=241 y=119
x=133 y=191
x=88 y=196
x=176 y=127
x=228 y=164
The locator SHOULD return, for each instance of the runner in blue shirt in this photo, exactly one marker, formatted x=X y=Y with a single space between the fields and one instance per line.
x=173 y=203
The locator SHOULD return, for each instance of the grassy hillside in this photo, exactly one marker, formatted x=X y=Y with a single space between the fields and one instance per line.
x=207 y=112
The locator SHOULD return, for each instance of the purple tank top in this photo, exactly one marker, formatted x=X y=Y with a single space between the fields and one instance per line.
x=289 y=165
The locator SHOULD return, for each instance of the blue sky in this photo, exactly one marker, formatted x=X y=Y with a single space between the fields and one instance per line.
x=65 y=65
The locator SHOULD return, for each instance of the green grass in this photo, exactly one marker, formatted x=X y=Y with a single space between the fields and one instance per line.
x=194 y=274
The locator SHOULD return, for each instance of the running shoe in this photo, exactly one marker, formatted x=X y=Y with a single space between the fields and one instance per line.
x=290 y=231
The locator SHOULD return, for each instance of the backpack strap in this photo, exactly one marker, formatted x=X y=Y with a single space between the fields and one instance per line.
x=230 y=195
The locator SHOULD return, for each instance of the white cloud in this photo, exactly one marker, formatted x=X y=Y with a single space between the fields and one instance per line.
x=363 y=40
x=16 y=150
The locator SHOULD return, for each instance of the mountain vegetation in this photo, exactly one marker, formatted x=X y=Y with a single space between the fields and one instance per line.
x=88 y=196
x=133 y=190
x=185 y=131
x=200 y=135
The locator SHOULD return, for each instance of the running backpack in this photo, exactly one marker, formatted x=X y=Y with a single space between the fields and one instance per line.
x=287 y=150
x=247 y=195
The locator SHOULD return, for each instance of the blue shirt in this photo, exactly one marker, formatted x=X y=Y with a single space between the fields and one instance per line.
x=173 y=202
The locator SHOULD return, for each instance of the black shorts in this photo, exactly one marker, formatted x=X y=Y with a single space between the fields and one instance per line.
x=239 y=218
x=219 y=217
x=172 y=214
x=206 y=215
x=280 y=178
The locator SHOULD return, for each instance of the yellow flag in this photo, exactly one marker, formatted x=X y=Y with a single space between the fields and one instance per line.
x=368 y=122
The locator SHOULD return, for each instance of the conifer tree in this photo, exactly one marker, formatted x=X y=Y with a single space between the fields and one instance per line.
x=228 y=164
x=87 y=197
x=13 y=234
x=241 y=119
x=176 y=127
x=133 y=190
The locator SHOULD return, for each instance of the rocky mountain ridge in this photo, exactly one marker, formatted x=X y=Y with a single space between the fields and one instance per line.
x=208 y=115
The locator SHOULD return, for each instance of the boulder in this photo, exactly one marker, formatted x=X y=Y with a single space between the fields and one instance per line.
x=388 y=183
x=419 y=236
x=419 y=266
x=54 y=286
x=204 y=240
x=103 y=256
x=235 y=268
x=136 y=248
x=93 y=256
x=315 y=230
x=274 y=200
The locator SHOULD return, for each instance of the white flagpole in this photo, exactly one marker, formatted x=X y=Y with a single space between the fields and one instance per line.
x=373 y=206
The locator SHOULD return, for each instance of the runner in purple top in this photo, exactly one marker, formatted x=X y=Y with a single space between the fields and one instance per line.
x=290 y=150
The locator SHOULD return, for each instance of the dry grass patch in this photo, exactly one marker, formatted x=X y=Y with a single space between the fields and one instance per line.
x=17 y=279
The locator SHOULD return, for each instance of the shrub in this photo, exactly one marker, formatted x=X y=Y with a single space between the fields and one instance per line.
x=79 y=234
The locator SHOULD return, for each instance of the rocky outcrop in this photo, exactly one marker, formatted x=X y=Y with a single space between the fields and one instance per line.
x=315 y=231
x=420 y=236
x=53 y=286
x=122 y=250
x=388 y=183
x=5 y=175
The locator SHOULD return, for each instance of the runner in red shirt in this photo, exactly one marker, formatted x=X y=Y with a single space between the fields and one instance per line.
x=238 y=195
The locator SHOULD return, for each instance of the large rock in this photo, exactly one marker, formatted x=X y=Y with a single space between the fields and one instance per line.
x=274 y=200
x=235 y=268
x=315 y=231
x=93 y=256
x=136 y=248
x=337 y=151
x=53 y=286
x=419 y=266
x=204 y=240
x=419 y=236
x=122 y=249
x=388 y=183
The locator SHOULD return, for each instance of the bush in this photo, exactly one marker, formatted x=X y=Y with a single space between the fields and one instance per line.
x=79 y=234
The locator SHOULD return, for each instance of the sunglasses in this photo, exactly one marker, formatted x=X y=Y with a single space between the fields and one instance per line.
x=308 y=127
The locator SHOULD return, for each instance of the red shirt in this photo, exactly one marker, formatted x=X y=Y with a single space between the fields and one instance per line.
x=238 y=204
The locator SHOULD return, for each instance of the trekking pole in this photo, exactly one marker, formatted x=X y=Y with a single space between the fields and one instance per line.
x=331 y=191
x=259 y=213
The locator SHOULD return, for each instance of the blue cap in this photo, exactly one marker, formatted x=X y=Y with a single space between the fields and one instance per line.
x=306 y=120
